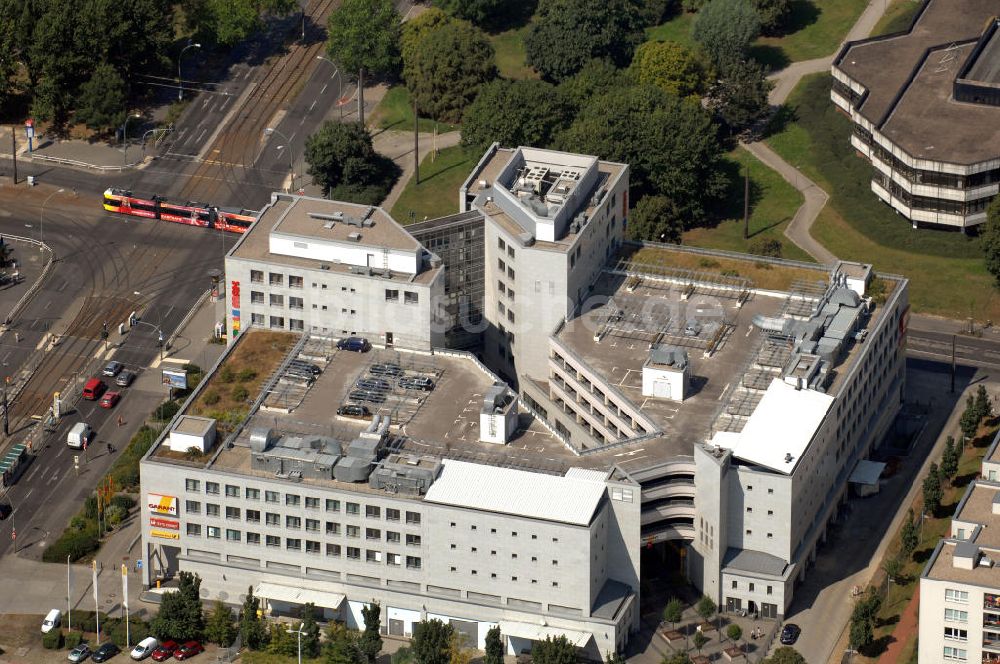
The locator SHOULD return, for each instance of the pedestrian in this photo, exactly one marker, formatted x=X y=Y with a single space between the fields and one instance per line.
x=110 y=449
x=17 y=337
x=120 y=422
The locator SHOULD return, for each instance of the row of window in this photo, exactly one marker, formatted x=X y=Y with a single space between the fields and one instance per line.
x=959 y=654
x=276 y=279
x=277 y=322
x=409 y=297
x=276 y=300
x=770 y=589
x=493 y=575
x=502 y=245
x=493 y=531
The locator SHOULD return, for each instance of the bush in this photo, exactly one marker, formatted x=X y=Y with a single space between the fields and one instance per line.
x=53 y=640
x=246 y=374
x=72 y=639
x=90 y=507
x=73 y=543
x=86 y=621
x=123 y=501
x=240 y=393
x=166 y=410
x=402 y=656
x=115 y=514
x=115 y=629
x=226 y=374
x=211 y=398
x=763 y=246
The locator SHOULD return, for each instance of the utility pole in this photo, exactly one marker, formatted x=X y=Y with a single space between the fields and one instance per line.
x=13 y=152
x=416 y=144
x=746 y=202
x=6 y=421
x=952 y=367
x=361 y=96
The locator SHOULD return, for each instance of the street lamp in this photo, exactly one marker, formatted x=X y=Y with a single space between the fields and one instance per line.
x=136 y=116
x=291 y=169
x=180 y=79
x=41 y=216
x=340 y=82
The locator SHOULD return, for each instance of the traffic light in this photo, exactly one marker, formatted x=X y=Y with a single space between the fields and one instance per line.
x=104 y=331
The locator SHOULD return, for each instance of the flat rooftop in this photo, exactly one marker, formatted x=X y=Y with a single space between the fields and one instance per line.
x=942 y=568
x=977 y=507
x=884 y=65
x=986 y=68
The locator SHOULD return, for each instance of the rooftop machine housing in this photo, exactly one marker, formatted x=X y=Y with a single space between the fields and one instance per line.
x=665 y=373
x=406 y=474
x=498 y=416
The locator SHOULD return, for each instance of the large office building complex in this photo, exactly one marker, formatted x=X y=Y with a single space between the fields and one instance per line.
x=925 y=104
x=618 y=404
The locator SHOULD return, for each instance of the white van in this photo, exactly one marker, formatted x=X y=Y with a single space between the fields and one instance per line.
x=52 y=621
x=81 y=431
x=144 y=648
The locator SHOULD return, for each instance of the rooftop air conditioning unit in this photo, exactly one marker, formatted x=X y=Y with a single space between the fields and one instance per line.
x=354 y=237
x=484 y=183
x=788 y=457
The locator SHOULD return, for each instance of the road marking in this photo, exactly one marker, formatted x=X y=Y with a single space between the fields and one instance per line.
x=54 y=478
x=312 y=106
x=246 y=75
x=302 y=121
x=26 y=495
x=33 y=473
x=324 y=88
x=6 y=357
x=203 y=132
x=47 y=304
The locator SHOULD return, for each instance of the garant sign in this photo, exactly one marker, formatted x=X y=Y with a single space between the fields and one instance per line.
x=162 y=504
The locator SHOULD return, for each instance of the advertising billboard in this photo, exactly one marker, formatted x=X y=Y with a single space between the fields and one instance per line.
x=162 y=504
x=176 y=378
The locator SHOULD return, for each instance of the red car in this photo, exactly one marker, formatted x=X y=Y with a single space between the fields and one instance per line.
x=164 y=651
x=110 y=399
x=189 y=649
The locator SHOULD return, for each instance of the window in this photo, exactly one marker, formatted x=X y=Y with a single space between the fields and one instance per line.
x=373 y=556
x=954 y=615
x=332 y=505
x=734 y=585
x=294 y=282
x=413 y=518
x=352 y=508
x=956 y=634
x=392 y=559
x=555 y=562
x=751 y=587
x=192 y=507
x=312 y=547
x=501 y=287
x=212 y=488
x=412 y=540
x=501 y=308
x=292 y=500
x=194 y=529
x=410 y=297
x=256 y=297
x=391 y=537
x=955 y=653
x=296 y=324
x=192 y=485
x=271 y=496
x=373 y=511
x=354 y=553
x=510 y=315
x=257 y=320
x=272 y=519
x=253 y=538
x=276 y=279
x=253 y=516
x=213 y=532
x=500 y=243
x=232 y=512
x=770 y=590
x=333 y=550
x=293 y=543
x=391 y=295
x=373 y=534
x=332 y=528
x=510 y=273
x=392 y=515
x=501 y=265
x=510 y=251
x=412 y=562
x=312 y=525
x=353 y=531
x=211 y=510
x=256 y=276
x=232 y=535
x=293 y=522
x=295 y=303
x=252 y=494
x=957 y=596
x=312 y=503
x=277 y=322
x=277 y=300
x=272 y=540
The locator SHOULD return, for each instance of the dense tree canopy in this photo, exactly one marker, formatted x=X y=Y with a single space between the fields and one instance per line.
x=670 y=66
x=342 y=160
x=772 y=14
x=725 y=29
x=364 y=34
x=657 y=218
x=431 y=642
x=228 y=22
x=101 y=104
x=487 y=14
x=556 y=650
x=595 y=78
x=219 y=628
x=180 y=616
x=567 y=34
x=516 y=113
x=670 y=144
x=739 y=97
x=989 y=234
x=444 y=67
x=786 y=655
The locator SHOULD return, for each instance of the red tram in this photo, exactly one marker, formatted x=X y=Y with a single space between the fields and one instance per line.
x=193 y=214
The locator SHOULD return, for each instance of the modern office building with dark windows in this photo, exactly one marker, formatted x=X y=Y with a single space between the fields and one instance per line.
x=925 y=104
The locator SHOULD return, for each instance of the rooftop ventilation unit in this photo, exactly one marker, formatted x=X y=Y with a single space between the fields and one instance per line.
x=527 y=239
x=354 y=237
x=324 y=266
x=328 y=225
x=405 y=474
x=538 y=207
x=535 y=176
x=335 y=216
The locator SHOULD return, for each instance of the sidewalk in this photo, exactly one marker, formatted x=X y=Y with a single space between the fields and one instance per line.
x=905 y=628
x=398 y=146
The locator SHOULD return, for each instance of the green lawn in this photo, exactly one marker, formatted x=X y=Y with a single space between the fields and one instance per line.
x=437 y=193
x=511 y=58
x=773 y=204
x=395 y=111
x=855 y=225
x=676 y=29
x=897 y=17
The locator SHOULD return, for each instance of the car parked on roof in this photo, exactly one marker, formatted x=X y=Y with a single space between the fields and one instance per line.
x=385 y=369
x=416 y=383
x=354 y=344
x=354 y=410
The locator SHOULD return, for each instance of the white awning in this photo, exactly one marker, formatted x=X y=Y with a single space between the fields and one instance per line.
x=540 y=632
x=867 y=472
x=292 y=595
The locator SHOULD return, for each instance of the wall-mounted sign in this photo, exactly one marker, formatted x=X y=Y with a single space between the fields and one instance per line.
x=234 y=297
x=163 y=534
x=162 y=504
x=164 y=523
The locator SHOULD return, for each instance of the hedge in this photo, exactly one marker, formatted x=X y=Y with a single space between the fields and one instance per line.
x=52 y=640
x=73 y=543
x=72 y=639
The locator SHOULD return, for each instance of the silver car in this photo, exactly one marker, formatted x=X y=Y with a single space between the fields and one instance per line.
x=113 y=368
x=125 y=378
x=79 y=653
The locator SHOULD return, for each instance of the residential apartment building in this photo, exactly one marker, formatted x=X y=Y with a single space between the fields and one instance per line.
x=926 y=112
x=960 y=585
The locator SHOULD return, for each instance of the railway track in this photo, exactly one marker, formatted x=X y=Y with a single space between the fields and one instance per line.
x=234 y=150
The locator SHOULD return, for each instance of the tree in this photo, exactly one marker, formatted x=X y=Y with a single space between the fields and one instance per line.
x=863 y=616
x=765 y=246
x=932 y=490
x=180 y=615
x=370 y=642
x=494 y=647
x=740 y=97
x=725 y=29
x=656 y=218
x=364 y=35
x=310 y=631
x=676 y=658
x=457 y=652
x=596 y=78
x=485 y=13
x=734 y=632
x=282 y=642
x=969 y=422
x=431 y=642
x=786 y=655
x=706 y=608
x=670 y=144
x=910 y=536
x=699 y=641
x=772 y=14
x=670 y=66
x=416 y=30
x=446 y=68
x=101 y=104
x=673 y=611
x=614 y=658
x=228 y=22
x=343 y=161
x=983 y=407
x=989 y=239
x=892 y=568
x=515 y=113
x=341 y=646
x=556 y=650
x=219 y=628
x=252 y=627
x=949 y=459
x=566 y=34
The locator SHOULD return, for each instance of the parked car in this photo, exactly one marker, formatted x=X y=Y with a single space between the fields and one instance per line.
x=112 y=368
x=52 y=619
x=790 y=634
x=189 y=649
x=354 y=344
x=385 y=369
x=5 y=510
x=373 y=384
x=94 y=388
x=125 y=378
x=110 y=399
x=105 y=652
x=79 y=653
x=692 y=328
x=354 y=410
x=365 y=395
x=308 y=366
x=144 y=648
x=164 y=651
x=416 y=383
